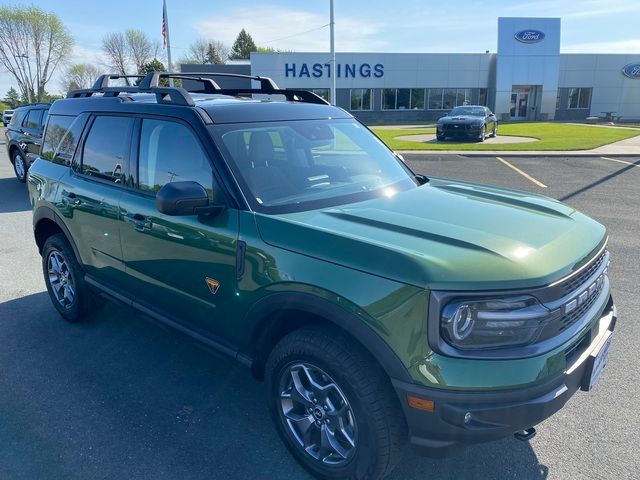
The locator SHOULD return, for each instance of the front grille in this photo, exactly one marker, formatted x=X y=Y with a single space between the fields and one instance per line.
x=576 y=281
x=571 y=289
x=456 y=127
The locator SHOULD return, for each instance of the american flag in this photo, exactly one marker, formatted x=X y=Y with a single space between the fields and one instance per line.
x=164 y=25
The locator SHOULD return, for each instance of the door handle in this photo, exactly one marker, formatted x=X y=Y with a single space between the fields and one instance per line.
x=140 y=222
x=70 y=198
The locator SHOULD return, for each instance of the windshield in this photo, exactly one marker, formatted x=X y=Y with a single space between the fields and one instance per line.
x=306 y=164
x=474 y=111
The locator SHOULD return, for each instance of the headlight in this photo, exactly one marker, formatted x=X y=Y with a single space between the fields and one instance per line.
x=500 y=322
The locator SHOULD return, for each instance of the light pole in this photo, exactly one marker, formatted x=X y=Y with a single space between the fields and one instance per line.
x=334 y=73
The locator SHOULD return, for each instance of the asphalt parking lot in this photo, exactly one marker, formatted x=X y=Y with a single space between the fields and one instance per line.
x=121 y=397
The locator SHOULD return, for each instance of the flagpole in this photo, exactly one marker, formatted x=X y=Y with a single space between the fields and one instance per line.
x=166 y=22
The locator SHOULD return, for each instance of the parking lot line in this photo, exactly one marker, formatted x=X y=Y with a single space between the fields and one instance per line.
x=620 y=161
x=524 y=174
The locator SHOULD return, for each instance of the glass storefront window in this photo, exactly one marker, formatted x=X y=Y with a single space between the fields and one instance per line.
x=417 y=98
x=389 y=99
x=435 y=98
x=402 y=98
x=449 y=98
x=360 y=98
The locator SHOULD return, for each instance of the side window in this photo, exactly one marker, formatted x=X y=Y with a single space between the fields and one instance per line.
x=61 y=139
x=169 y=152
x=32 y=120
x=17 y=117
x=106 y=149
x=43 y=120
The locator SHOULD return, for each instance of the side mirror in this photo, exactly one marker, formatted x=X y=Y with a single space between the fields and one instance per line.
x=184 y=198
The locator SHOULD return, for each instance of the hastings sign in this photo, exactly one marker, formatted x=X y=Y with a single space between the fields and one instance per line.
x=632 y=70
x=529 y=36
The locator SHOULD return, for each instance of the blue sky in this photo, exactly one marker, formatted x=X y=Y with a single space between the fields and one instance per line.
x=588 y=26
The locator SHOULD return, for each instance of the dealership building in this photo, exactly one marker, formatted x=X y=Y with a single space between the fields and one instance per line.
x=527 y=79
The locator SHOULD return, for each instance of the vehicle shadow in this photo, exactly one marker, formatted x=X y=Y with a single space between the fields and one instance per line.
x=121 y=397
x=13 y=196
x=600 y=181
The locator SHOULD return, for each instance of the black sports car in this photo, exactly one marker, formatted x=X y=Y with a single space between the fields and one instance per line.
x=470 y=121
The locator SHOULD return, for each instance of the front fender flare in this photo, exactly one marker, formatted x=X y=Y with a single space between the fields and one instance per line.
x=347 y=321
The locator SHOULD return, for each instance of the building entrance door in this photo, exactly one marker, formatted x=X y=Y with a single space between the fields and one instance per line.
x=520 y=97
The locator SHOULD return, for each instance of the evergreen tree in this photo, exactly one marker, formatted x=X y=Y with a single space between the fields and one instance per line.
x=212 y=55
x=243 y=46
x=12 y=98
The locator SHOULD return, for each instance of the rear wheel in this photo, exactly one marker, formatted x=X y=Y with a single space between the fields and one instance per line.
x=19 y=165
x=65 y=280
x=333 y=406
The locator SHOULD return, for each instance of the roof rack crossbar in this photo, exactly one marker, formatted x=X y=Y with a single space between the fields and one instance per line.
x=291 y=95
x=266 y=83
x=103 y=80
x=152 y=80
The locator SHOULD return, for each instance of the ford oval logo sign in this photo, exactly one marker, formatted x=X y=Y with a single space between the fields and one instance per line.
x=529 y=36
x=632 y=70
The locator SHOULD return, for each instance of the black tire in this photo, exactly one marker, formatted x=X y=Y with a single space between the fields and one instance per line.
x=495 y=130
x=17 y=159
x=84 y=300
x=440 y=138
x=483 y=134
x=380 y=429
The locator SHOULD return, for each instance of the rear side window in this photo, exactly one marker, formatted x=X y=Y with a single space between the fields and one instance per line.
x=34 y=117
x=17 y=117
x=61 y=139
x=106 y=149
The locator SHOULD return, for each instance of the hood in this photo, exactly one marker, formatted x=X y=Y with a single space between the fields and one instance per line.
x=446 y=235
x=460 y=119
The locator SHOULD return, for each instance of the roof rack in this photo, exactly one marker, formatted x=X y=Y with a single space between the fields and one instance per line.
x=150 y=83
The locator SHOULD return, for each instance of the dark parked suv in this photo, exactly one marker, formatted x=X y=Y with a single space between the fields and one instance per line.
x=380 y=307
x=24 y=136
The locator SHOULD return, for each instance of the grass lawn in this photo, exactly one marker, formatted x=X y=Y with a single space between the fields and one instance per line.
x=551 y=136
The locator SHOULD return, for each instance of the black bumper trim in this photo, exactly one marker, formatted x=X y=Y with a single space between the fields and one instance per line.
x=494 y=414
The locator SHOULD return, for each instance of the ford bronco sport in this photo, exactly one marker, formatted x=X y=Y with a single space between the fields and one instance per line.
x=380 y=307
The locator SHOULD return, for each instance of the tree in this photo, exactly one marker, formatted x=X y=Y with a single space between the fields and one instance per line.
x=206 y=51
x=32 y=46
x=80 y=75
x=154 y=65
x=128 y=52
x=213 y=56
x=243 y=46
x=12 y=98
x=140 y=47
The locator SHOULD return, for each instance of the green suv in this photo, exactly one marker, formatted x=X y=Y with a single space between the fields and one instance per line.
x=380 y=307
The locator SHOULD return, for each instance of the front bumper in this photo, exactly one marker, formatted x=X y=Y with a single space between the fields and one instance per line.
x=494 y=414
x=459 y=131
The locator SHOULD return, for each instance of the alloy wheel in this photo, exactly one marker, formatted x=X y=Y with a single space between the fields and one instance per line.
x=60 y=279
x=19 y=166
x=317 y=414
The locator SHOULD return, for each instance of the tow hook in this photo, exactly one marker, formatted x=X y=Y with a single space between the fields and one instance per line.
x=526 y=434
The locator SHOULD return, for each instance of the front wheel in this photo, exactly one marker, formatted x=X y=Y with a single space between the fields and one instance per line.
x=19 y=166
x=483 y=134
x=495 y=131
x=334 y=408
